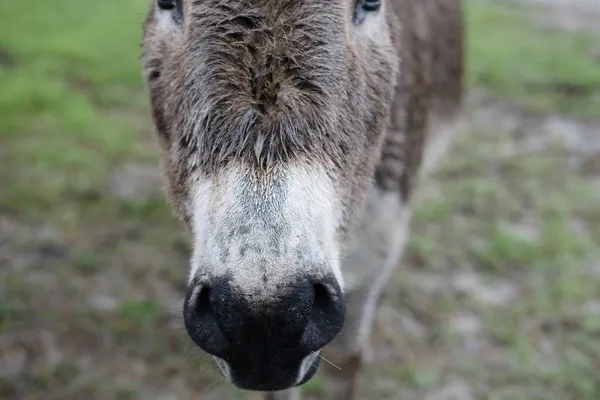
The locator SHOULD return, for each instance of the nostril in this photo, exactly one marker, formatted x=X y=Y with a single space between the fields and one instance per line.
x=321 y=301
x=201 y=322
x=326 y=317
x=203 y=307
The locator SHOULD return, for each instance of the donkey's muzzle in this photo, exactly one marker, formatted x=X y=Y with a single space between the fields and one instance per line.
x=264 y=338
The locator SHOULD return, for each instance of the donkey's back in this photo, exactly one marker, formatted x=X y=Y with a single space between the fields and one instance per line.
x=429 y=93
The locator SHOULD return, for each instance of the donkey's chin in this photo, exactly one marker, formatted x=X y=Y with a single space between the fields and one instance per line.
x=307 y=369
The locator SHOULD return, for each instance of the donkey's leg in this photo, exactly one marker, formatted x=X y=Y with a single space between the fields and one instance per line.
x=380 y=241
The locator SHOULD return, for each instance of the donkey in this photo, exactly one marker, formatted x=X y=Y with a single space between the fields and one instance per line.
x=293 y=135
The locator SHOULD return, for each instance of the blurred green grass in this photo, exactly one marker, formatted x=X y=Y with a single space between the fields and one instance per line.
x=98 y=272
x=72 y=100
x=538 y=68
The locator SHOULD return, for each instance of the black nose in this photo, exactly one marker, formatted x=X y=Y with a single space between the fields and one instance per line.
x=264 y=338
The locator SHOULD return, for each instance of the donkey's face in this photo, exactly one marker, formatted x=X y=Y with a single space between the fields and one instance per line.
x=270 y=115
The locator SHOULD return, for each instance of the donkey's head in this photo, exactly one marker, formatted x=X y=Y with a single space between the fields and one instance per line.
x=270 y=115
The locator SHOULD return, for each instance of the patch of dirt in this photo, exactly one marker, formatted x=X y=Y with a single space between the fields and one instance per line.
x=564 y=15
x=456 y=389
x=136 y=182
x=493 y=294
x=533 y=132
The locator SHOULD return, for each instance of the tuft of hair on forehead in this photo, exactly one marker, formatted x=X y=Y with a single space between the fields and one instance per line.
x=262 y=83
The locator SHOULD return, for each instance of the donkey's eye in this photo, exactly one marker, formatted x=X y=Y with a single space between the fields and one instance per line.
x=371 y=5
x=172 y=6
x=362 y=8
x=166 y=4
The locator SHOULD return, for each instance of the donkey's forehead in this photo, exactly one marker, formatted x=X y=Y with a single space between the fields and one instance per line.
x=282 y=19
x=265 y=7
x=290 y=21
x=264 y=82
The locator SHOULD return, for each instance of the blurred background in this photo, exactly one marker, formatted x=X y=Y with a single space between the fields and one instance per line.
x=499 y=294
